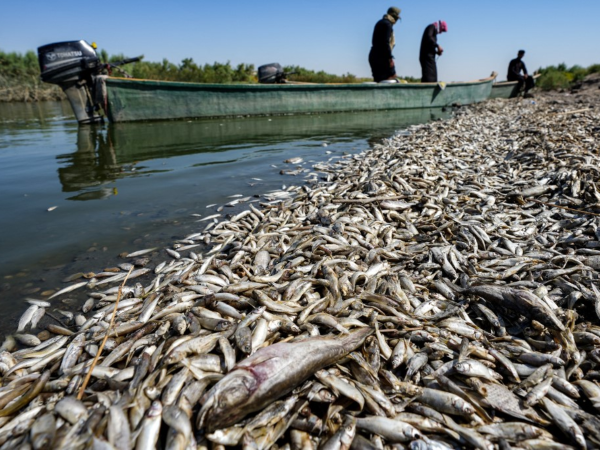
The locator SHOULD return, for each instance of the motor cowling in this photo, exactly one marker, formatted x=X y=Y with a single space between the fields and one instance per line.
x=74 y=66
x=271 y=74
x=67 y=61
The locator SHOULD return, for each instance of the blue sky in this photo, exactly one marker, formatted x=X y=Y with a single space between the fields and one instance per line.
x=330 y=35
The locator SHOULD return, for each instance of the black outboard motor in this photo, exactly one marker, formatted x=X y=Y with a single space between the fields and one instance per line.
x=72 y=66
x=76 y=68
x=271 y=74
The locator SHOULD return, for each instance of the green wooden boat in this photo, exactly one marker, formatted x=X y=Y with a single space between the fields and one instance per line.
x=130 y=100
x=76 y=68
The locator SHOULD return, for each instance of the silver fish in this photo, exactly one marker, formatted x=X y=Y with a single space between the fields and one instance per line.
x=269 y=374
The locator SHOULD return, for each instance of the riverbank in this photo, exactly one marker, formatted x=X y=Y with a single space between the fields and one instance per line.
x=15 y=90
x=469 y=247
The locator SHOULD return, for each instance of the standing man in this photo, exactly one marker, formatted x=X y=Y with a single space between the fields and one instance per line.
x=430 y=49
x=515 y=67
x=381 y=59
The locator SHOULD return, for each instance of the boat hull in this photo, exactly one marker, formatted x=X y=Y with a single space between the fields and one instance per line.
x=507 y=89
x=130 y=100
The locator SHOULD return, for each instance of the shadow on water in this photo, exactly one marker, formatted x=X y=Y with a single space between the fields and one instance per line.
x=124 y=187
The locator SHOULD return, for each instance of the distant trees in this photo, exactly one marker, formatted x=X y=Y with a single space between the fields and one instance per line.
x=187 y=71
x=18 y=65
x=20 y=79
x=561 y=77
x=310 y=76
x=300 y=74
x=20 y=75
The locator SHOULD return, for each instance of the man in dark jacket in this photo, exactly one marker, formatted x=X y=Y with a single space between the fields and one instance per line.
x=430 y=49
x=380 y=56
x=515 y=67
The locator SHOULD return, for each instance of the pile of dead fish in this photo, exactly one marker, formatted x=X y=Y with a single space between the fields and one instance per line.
x=436 y=292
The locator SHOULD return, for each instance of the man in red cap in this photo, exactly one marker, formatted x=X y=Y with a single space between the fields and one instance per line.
x=381 y=59
x=430 y=49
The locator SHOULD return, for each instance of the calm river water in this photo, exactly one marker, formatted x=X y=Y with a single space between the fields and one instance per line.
x=74 y=198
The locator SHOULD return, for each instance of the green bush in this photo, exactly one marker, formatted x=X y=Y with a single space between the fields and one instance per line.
x=310 y=76
x=189 y=71
x=560 y=77
x=594 y=68
x=553 y=80
x=18 y=65
x=20 y=79
x=578 y=73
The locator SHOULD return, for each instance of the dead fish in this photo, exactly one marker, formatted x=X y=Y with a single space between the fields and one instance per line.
x=26 y=317
x=269 y=374
x=519 y=300
x=141 y=252
x=391 y=430
x=343 y=437
x=68 y=289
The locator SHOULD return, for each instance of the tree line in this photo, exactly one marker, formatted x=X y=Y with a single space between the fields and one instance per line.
x=20 y=79
x=189 y=71
x=558 y=77
x=20 y=75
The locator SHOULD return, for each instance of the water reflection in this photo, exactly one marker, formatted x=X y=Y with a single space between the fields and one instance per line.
x=166 y=174
x=92 y=165
x=107 y=153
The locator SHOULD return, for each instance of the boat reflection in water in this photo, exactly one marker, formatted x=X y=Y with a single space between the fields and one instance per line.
x=91 y=166
x=108 y=153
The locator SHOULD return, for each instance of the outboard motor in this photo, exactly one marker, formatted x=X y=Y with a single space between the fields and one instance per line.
x=272 y=74
x=72 y=65
x=76 y=68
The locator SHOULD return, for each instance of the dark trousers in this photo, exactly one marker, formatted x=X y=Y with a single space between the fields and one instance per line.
x=529 y=82
x=428 y=69
x=380 y=66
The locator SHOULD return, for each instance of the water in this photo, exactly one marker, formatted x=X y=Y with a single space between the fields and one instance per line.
x=75 y=198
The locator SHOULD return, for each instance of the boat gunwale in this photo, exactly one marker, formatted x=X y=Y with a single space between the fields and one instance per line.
x=121 y=82
x=512 y=83
x=505 y=83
